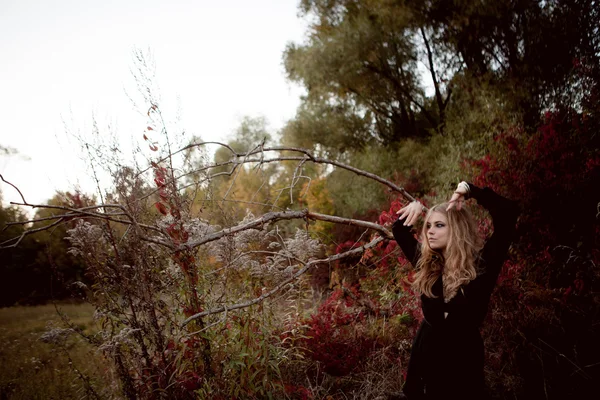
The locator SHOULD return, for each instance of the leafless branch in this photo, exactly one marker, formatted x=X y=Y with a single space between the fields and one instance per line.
x=17 y=239
x=254 y=203
x=67 y=215
x=73 y=213
x=16 y=188
x=285 y=282
x=295 y=178
x=307 y=156
x=237 y=173
x=189 y=146
x=284 y=215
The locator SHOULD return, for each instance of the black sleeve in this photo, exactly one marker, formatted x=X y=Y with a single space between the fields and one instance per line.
x=406 y=240
x=504 y=215
x=433 y=307
x=471 y=302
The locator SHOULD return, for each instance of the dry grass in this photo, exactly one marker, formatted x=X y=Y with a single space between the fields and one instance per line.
x=33 y=369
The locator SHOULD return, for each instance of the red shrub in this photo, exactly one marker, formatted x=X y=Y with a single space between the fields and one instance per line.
x=545 y=309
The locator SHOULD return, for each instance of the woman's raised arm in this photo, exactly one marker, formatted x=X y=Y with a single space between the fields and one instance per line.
x=402 y=230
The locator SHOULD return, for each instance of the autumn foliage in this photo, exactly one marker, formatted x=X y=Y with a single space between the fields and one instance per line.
x=269 y=270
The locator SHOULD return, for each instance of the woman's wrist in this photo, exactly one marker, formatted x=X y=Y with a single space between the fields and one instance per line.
x=463 y=188
x=421 y=206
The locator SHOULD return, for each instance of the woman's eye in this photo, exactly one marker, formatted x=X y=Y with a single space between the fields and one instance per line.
x=439 y=226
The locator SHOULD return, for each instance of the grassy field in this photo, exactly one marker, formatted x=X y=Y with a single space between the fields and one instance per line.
x=33 y=369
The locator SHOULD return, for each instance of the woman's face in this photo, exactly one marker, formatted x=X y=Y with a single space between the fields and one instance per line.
x=437 y=231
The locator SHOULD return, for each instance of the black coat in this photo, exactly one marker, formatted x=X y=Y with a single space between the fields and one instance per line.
x=447 y=354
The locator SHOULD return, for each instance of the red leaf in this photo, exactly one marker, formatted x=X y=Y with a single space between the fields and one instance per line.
x=145 y=137
x=152 y=108
x=161 y=208
x=150 y=128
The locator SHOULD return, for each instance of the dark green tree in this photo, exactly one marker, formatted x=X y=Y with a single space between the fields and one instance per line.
x=360 y=66
x=533 y=50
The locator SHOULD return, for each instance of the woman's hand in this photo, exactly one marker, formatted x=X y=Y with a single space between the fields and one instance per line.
x=458 y=197
x=411 y=212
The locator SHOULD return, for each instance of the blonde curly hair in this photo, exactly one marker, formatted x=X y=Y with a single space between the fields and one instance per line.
x=458 y=263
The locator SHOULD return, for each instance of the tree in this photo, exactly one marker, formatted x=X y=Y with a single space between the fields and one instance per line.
x=15 y=266
x=40 y=268
x=360 y=65
x=529 y=48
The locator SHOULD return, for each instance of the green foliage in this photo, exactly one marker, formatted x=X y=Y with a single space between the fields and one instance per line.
x=251 y=133
x=360 y=65
x=250 y=355
x=328 y=129
x=40 y=268
x=410 y=164
x=528 y=47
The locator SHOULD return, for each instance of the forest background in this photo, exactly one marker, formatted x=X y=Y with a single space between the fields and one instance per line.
x=267 y=269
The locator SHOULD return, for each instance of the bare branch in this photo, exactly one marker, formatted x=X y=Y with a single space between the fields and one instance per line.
x=189 y=146
x=255 y=203
x=16 y=188
x=307 y=157
x=284 y=283
x=67 y=215
x=259 y=222
x=284 y=215
x=295 y=178
x=73 y=213
x=237 y=173
x=438 y=95
x=18 y=239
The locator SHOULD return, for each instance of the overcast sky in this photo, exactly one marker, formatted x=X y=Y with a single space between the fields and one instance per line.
x=63 y=61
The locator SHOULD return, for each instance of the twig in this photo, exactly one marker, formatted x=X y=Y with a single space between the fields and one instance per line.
x=295 y=178
x=27 y=232
x=577 y=367
x=16 y=188
x=220 y=321
x=307 y=156
x=238 y=172
x=81 y=212
x=256 y=203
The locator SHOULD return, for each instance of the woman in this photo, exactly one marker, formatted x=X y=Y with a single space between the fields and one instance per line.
x=455 y=277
